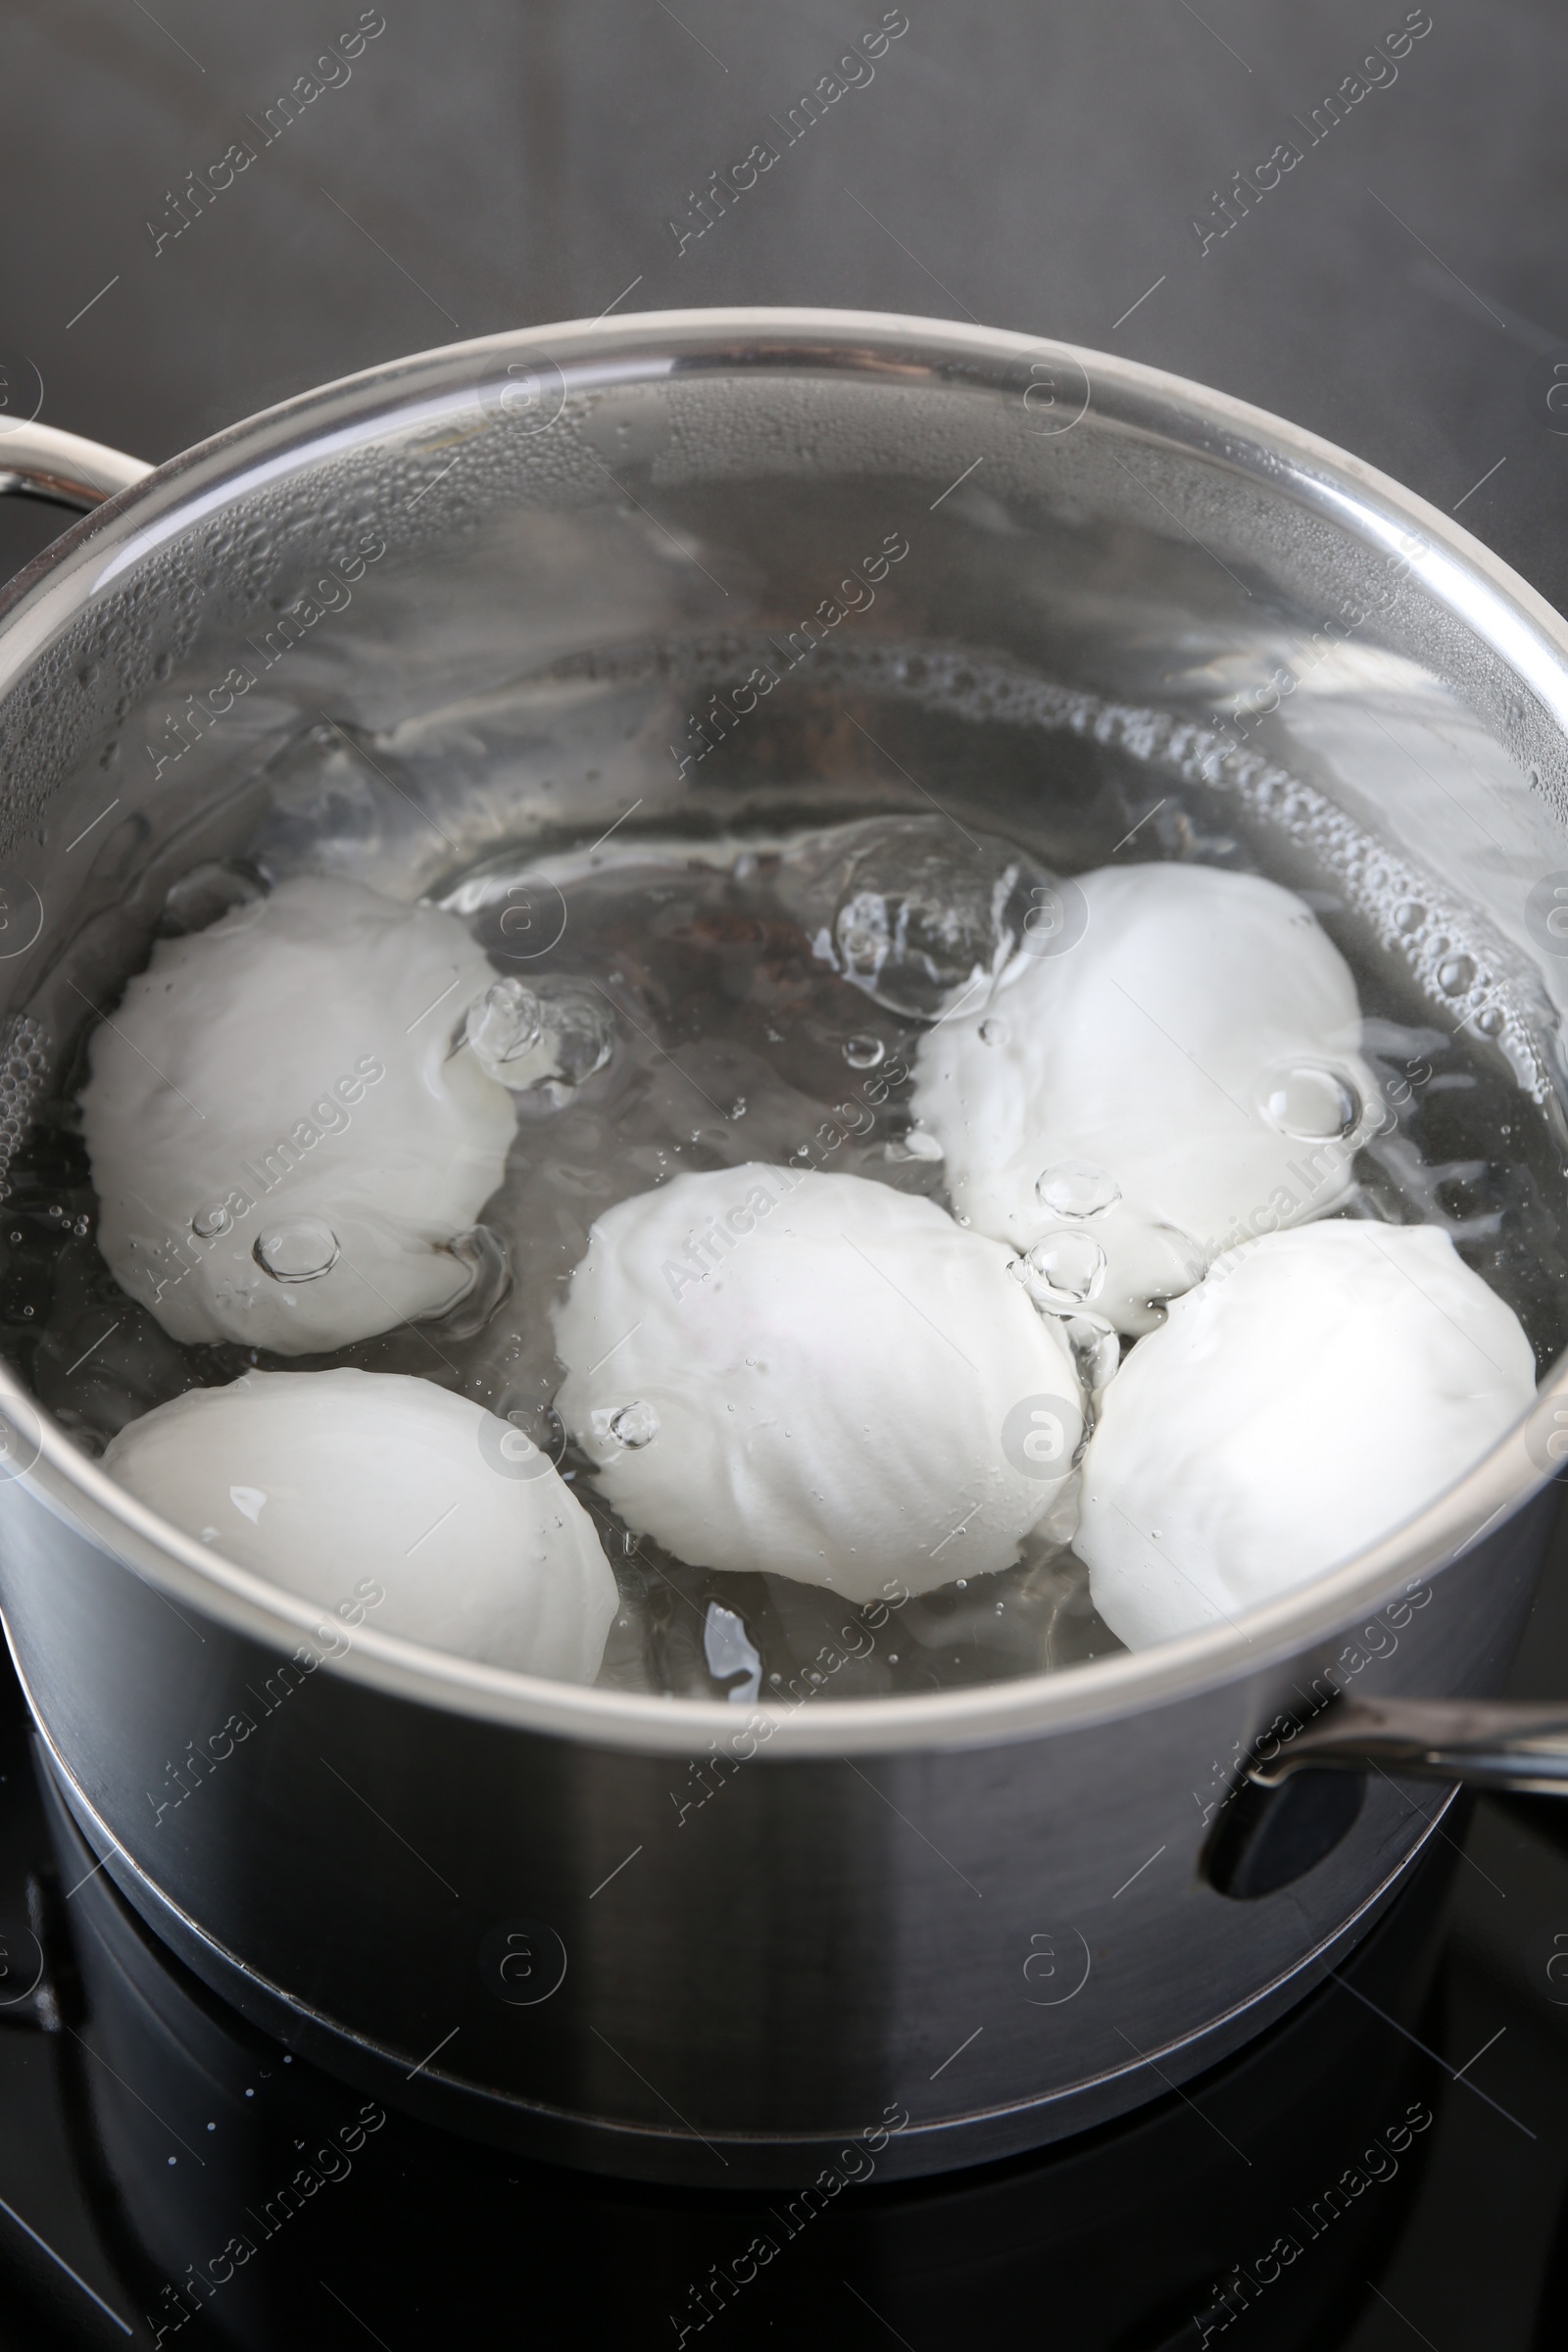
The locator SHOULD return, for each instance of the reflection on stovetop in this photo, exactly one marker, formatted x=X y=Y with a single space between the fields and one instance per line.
x=1384 y=2166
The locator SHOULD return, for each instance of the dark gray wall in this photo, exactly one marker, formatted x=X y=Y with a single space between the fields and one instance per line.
x=1036 y=164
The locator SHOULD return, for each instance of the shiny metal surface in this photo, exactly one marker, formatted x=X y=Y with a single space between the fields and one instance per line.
x=981 y=1909
x=1513 y=1745
x=1002 y=1943
x=37 y=460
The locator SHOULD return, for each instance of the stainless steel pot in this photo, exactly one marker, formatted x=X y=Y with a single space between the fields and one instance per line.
x=944 y=1928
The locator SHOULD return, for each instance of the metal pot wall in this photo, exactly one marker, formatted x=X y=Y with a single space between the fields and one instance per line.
x=945 y=1928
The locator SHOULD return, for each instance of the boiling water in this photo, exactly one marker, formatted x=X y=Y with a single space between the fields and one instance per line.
x=714 y=1034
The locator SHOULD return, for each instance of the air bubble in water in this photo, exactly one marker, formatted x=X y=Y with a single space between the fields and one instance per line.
x=634 y=1426
x=1096 y=1350
x=1076 y=1188
x=921 y=1146
x=1456 y=975
x=503 y=1026
x=994 y=1033
x=729 y=1651
x=1409 y=918
x=1064 y=1270
x=862 y=931
x=1310 y=1102
x=208 y=1223
x=578 y=1036
x=864 y=1051
x=909 y=914
x=547 y=1039
x=301 y=1250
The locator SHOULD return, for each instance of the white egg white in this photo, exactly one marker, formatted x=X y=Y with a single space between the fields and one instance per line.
x=283 y=1138
x=1316 y=1390
x=817 y=1376
x=1194 y=1043
x=325 y=1480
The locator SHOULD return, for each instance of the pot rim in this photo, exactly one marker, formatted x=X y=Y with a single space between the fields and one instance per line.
x=409 y=396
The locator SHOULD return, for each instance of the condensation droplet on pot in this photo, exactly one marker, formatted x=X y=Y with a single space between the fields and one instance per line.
x=1409 y=918
x=863 y=1052
x=1076 y=1188
x=634 y=1426
x=1310 y=1102
x=301 y=1250
x=208 y=1223
x=1456 y=975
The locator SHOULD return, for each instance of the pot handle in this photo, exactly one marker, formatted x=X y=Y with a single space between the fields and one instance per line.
x=1284 y=1815
x=37 y=460
x=1517 y=1745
